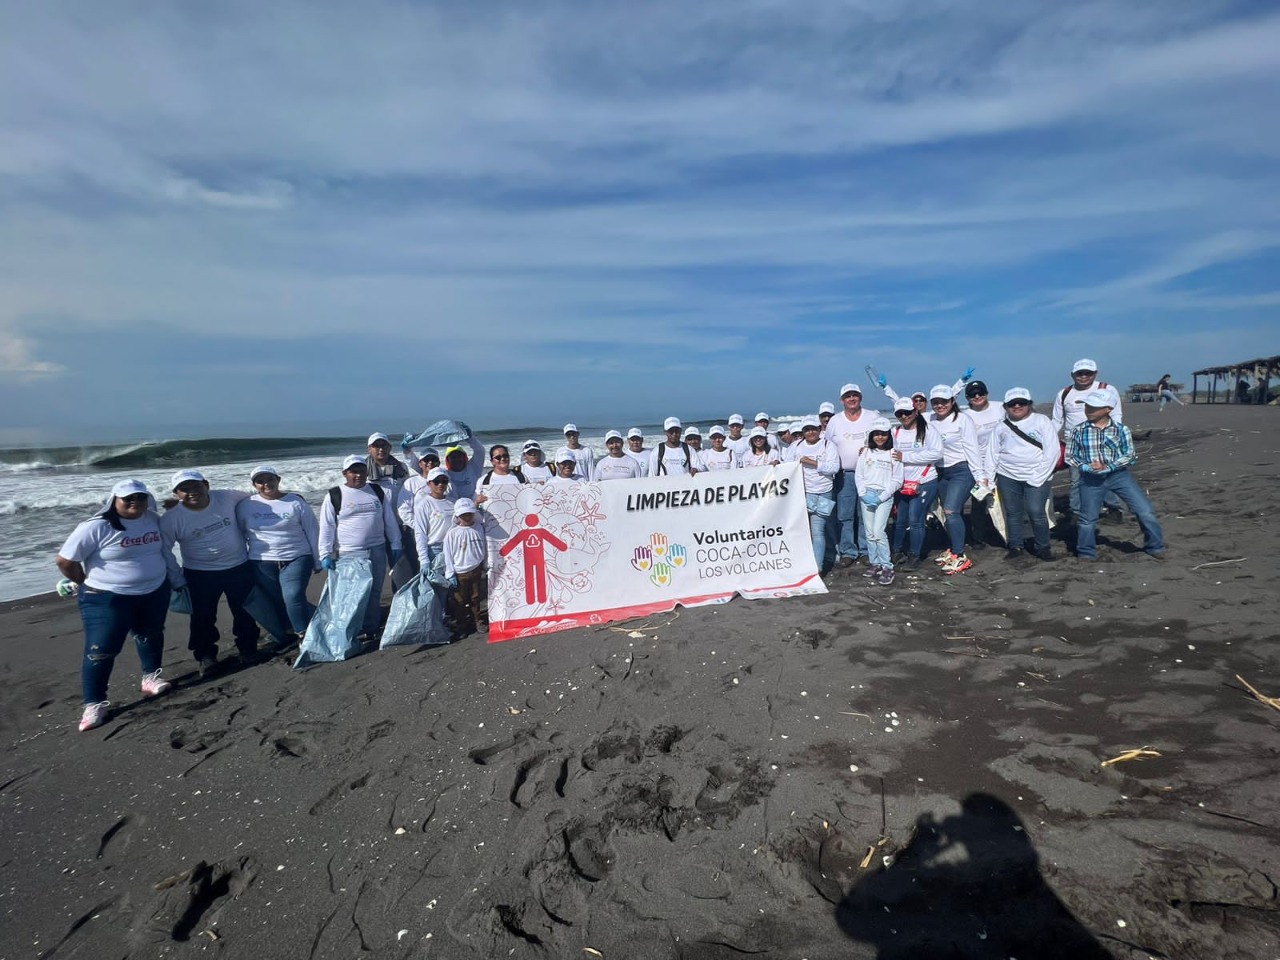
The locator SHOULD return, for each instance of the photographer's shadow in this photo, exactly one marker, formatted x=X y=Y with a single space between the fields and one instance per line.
x=966 y=888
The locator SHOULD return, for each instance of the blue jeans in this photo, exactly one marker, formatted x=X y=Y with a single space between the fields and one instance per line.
x=284 y=583
x=849 y=514
x=954 y=484
x=1167 y=396
x=875 y=523
x=108 y=618
x=1093 y=487
x=1110 y=499
x=912 y=513
x=207 y=588
x=1018 y=498
x=377 y=558
x=818 y=530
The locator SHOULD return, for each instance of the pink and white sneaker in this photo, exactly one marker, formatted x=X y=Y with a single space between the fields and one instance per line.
x=95 y=715
x=153 y=686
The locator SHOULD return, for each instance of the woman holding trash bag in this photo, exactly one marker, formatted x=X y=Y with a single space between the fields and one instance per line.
x=119 y=561
x=919 y=449
x=283 y=536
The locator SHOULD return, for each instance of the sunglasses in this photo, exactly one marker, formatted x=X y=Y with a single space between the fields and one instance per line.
x=905 y=413
x=939 y=402
x=439 y=480
x=1018 y=403
x=135 y=498
x=501 y=456
x=262 y=478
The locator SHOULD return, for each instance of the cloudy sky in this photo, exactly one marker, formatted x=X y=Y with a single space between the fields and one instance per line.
x=523 y=212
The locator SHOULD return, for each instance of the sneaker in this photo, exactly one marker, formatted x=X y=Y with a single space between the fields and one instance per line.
x=945 y=557
x=1045 y=554
x=886 y=576
x=1015 y=554
x=872 y=572
x=95 y=715
x=845 y=562
x=959 y=564
x=153 y=686
x=1112 y=515
x=207 y=665
x=911 y=563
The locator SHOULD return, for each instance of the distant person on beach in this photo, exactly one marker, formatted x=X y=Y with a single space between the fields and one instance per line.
x=119 y=560
x=585 y=456
x=1242 y=390
x=432 y=518
x=1102 y=449
x=1165 y=392
x=215 y=561
x=962 y=465
x=847 y=431
x=283 y=538
x=918 y=447
x=673 y=457
x=391 y=473
x=1068 y=413
x=719 y=457
x=760 y=454
x=878 y=477
x=358 y=521
x=636 y=450
x=615 y=464
x=535 y=468
x=820 y=463
x=465 y=555
x=1022 y=455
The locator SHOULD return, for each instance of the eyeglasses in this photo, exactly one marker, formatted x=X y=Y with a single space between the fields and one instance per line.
x=1018 y=403
x=135 y=498
x=501 y=456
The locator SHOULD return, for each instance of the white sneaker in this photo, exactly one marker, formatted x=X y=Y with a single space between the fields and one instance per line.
x=95 y=715
x=153 y=686
x=945 y=557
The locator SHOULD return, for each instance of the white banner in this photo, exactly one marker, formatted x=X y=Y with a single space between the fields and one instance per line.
x=573 y=555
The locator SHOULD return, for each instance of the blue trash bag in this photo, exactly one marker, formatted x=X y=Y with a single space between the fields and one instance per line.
x=441 y=434
x=417 y=615
x=180 y=600
x=259 y=606
x=331 y=634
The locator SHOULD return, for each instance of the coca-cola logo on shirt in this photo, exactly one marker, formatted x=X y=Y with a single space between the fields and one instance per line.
x=146 y=538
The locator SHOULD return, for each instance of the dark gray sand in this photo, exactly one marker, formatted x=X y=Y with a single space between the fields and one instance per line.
x=910 y=772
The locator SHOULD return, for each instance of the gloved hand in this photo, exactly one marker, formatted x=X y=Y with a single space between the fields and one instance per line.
x=872 y=500
x=882 y=381
x=968 y=374
x=328 y=564
x=395 y=557
x=406 y=442
x=453 y=583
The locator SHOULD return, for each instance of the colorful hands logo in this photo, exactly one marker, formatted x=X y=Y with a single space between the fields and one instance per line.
x=660 y=559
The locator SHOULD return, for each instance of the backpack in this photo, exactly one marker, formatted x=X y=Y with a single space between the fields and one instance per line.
x=484 y=481
x=688 y=456
x=335 y=496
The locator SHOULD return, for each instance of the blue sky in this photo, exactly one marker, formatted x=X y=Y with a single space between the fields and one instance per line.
x=540 y=211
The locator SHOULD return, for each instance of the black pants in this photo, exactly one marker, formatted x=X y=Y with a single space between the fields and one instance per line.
x=207 y=587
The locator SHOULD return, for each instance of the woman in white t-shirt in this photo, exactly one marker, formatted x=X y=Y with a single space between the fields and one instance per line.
x=759 y=453
x=118 y=560
x=282 y=533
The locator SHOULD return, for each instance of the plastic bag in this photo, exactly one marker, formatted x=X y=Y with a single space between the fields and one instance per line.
x=331 y=634
x=180 y=600
x=441 y=434
x=417 y=615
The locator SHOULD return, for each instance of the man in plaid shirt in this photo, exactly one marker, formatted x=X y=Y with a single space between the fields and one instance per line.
x=1102 y=449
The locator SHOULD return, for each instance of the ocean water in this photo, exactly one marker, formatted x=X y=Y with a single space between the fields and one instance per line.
x=45 y=492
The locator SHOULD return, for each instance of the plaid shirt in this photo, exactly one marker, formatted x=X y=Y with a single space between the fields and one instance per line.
x=1112 y=444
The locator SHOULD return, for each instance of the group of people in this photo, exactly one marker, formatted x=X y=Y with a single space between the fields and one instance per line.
x=861 y=472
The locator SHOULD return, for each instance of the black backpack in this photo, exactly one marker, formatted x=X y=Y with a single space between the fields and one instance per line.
x=335 y=496
x=688 y=456
x=484 y=481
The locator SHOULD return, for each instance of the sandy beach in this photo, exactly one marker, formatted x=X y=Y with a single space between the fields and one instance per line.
x=912 y=771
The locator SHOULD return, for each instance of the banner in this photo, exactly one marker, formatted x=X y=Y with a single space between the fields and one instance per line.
x=573 y=555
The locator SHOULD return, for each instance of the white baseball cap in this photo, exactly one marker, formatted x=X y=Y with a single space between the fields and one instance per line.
x=758 y=432
x=129 y=488
x=262 y=468
x=612 y=435
x=735 y=418
x=1098 y=398
x=850 y=388
x=941 y=392
x=429 y=452
x=570 y=428
x=761 y=416
x=1084 y=364
x=808 y=422
x=880 y=425
x=355 y=460
x=797 y=426
x=375 y=437
x=693 y=431
x=531 y=445
x=463 y=505
x=716 y=430
x=184 y=476
x=826 y=407
x=635 y=432
x=436 y=473
x=671 y=423
x=1017 y=393
x=903 y=403
x=565 y=455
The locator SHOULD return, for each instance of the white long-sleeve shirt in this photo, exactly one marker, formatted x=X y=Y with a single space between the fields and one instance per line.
x=959 y=442
x=1068 y=413
x=919 y=459
x=364 y=523
x=877 y=470
x=209 y=539
x=432 y=519
x=817 y=479
x=282 y=529
x=849 y=436
x=984 y=421
x=1016 y=458
x=466 y=548
x=404 y=498
x=462 y=483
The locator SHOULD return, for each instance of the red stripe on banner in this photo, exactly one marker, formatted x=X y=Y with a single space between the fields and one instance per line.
x=500 y=630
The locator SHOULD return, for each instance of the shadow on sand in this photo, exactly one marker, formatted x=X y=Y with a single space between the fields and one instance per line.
x=966 y=888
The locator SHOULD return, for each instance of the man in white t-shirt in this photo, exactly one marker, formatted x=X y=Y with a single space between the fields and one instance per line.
x=737 y=441
x=615 y=464
x=847 y=432
x=636 y=450
x=215 y=562
x=1068 y=413
x=673 y=457
x=585 y=456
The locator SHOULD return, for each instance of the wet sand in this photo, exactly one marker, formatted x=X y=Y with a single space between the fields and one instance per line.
x=912 y=771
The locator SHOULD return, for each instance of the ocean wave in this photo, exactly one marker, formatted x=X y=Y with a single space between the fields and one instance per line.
x=167 y=453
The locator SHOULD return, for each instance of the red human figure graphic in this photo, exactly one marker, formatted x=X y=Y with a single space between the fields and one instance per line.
x=535 y=561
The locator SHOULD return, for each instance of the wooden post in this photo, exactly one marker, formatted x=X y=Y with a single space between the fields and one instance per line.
x=1195 y=386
